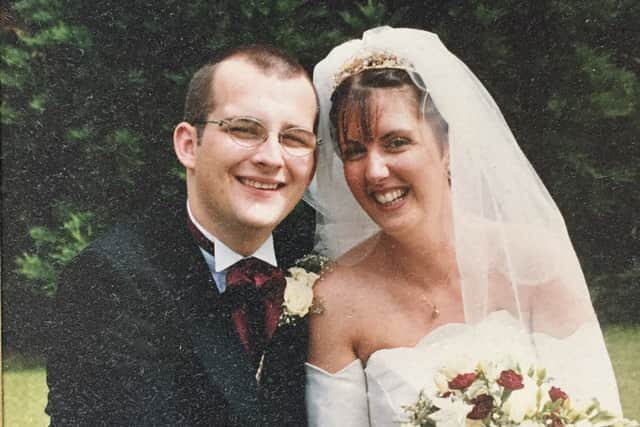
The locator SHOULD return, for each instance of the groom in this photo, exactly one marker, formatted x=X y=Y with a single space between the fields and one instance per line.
x=151 y=327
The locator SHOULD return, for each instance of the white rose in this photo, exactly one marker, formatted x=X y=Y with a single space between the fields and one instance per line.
x=476 y=389
x=452 y=413
x=298 y=297
x=459 y=365
x=491 y=370
x=301 y=275
x=441 y=381
x=522 y=402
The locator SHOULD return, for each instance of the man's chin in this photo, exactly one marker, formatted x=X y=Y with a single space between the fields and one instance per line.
x=262 y=219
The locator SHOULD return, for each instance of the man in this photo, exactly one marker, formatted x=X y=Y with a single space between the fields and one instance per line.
x=147 y=331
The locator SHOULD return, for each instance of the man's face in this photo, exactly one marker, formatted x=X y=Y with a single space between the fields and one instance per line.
x=234 y=189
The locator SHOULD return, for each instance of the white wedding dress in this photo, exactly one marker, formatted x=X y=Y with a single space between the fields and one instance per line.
x=511 y=245
x=375 y=395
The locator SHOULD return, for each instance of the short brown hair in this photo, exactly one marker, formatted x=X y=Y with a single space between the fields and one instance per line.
x=269 y=59
x=353 y=95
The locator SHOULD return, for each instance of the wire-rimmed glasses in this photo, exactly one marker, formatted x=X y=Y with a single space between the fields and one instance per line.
x=250 y=132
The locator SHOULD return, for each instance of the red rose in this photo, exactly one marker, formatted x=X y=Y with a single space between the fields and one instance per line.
x=462 y=381
x=482 y=406
x=557 y=394
x=510 y=379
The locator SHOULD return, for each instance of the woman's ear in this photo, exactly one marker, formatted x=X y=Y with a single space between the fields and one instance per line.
x=445 y=155
x=185 y=141
x=446 y=161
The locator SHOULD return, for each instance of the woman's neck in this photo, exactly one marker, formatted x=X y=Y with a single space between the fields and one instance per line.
x=427 y=258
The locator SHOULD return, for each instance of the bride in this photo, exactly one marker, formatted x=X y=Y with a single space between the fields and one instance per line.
x=446 y=243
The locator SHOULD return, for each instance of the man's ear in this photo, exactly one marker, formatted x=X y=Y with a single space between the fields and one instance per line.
x=315 y=164
x=185 y=141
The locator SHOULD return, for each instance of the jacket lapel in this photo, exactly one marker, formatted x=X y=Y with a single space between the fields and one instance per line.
x=216 y=344
x=207 y=322
x=282 y=393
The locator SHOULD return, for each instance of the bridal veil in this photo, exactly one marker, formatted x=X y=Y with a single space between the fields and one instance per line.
x=508 y=231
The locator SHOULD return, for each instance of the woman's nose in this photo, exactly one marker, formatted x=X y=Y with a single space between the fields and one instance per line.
x=377 y=167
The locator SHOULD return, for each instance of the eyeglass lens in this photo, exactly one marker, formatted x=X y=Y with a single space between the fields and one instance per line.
x=248 y=132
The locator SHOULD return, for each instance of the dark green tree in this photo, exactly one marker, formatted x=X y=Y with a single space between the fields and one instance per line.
x=90 y=96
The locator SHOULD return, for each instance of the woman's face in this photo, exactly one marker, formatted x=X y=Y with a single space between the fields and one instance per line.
x=399 y=174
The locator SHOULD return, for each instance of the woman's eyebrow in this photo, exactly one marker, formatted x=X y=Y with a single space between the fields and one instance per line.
x=349 y=141
x=396 y=132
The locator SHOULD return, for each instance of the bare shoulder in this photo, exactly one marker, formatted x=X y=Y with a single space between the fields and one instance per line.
x=543 y=264
x=533 y=253
x=346 y=278
x=339 y=296
x=338 y=284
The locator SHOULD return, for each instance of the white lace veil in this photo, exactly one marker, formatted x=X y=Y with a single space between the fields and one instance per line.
x=505 y=222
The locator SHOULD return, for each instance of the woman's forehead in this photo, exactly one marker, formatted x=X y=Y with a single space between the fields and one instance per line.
x=381 y=107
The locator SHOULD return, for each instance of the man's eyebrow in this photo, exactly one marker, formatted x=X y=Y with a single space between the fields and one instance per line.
x=289 y=125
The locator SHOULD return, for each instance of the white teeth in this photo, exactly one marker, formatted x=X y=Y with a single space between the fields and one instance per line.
x=259 y=185
x=390 y=196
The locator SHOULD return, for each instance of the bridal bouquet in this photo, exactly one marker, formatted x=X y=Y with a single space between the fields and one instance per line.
x=492 y=394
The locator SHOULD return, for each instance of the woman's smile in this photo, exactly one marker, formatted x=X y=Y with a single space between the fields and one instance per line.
x=390 y=198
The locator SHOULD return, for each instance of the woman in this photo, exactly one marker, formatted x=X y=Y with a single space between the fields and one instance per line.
x=447 y=244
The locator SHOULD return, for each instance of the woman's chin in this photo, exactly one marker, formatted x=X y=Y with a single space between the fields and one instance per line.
x=399 y=227
x=394 y=217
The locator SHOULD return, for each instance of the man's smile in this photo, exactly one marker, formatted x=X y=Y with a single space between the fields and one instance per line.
x=260 y=185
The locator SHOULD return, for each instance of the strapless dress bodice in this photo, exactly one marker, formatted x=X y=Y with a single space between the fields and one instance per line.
x=376 y=394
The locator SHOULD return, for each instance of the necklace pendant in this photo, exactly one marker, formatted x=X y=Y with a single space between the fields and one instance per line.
x=435 y=313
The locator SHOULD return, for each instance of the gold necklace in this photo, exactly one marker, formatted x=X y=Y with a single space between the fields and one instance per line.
x=435 y=312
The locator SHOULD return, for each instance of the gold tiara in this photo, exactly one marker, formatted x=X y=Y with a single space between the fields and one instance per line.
x=371 y=61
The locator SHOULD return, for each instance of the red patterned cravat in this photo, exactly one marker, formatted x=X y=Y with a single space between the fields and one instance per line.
x=255 y=290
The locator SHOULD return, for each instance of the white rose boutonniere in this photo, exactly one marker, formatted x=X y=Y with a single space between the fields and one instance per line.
x=298 y=292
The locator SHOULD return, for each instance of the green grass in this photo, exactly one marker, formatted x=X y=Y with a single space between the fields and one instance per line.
x=623 y=343
x=25 y=389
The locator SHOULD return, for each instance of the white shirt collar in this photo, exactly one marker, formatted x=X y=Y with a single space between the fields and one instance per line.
x=225 y=257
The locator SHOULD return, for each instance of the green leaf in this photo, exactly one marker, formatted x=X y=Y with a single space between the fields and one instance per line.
x=38 y=103
x=42 y=235
x=7 y=114
x=80 y=134
x=487 y=15
x=615 y=90
x=136 y=77
x=53 y=249
x=35 y=269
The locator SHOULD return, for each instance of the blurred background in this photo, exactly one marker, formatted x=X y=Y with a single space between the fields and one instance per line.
x=91 y=93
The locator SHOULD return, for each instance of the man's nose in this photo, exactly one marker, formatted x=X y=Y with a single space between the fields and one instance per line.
x=270 y=152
